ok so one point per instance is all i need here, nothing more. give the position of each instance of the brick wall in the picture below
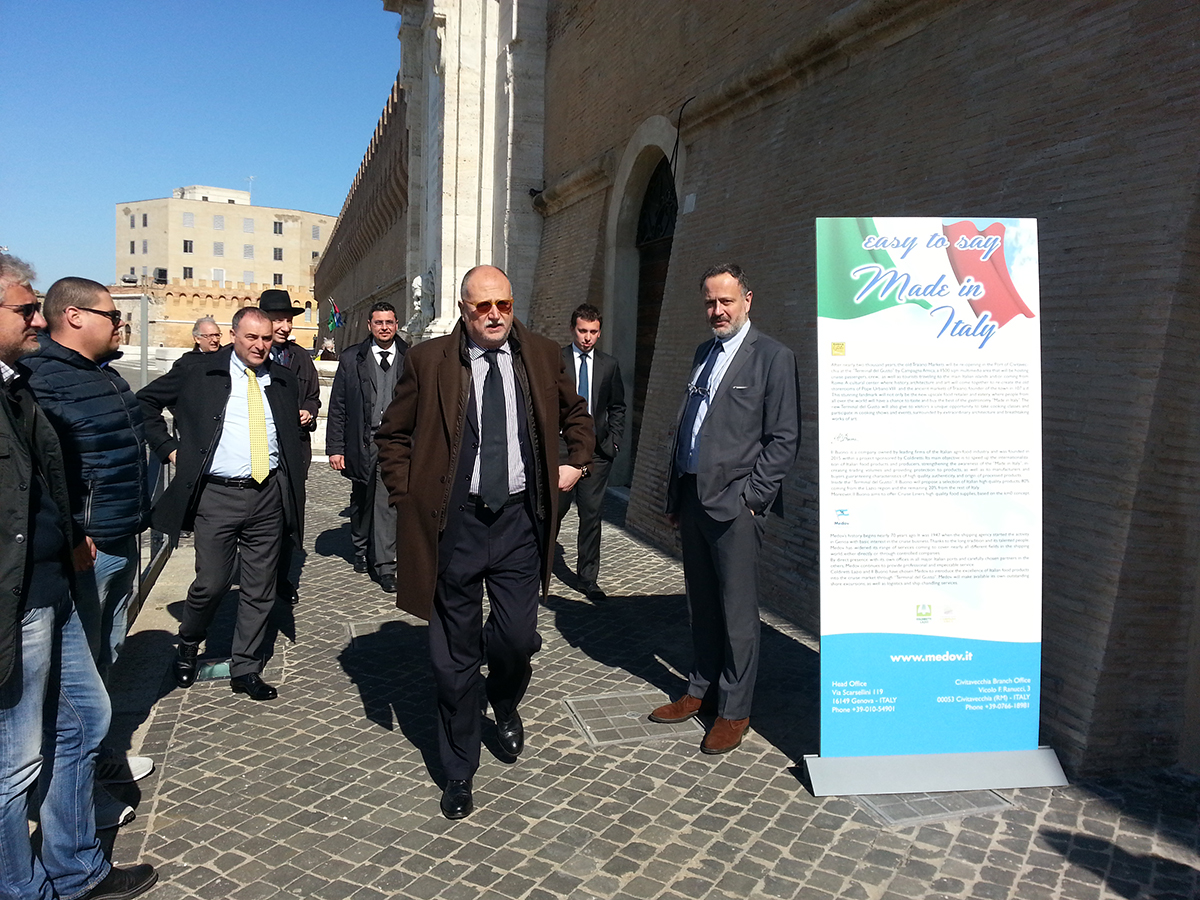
(570, 266)
(1082, 115)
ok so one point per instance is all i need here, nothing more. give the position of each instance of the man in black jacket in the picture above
(99, 424)
(366, 377)
(277, 304)
(598, 380)
(53, 707)
(238, 479)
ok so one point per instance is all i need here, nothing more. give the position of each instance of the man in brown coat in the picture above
(468, 451)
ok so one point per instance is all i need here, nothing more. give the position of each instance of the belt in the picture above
(518, 497)
(241, 484)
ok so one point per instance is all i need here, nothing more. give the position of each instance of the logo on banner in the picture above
(960, 268)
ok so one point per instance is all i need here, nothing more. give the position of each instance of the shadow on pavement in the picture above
(335, 542)
(390, 668)
(648, 637)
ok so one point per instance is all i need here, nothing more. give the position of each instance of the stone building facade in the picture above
(208, 251)
(686, 132)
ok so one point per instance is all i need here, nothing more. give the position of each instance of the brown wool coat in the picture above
(421, 434)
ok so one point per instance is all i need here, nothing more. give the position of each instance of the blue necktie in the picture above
(583, 380)
(696, 393)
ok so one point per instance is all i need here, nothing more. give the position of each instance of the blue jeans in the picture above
(53, 713)
(105, 593)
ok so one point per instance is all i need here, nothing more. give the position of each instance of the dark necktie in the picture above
(697, 391)
(493, 438)
(384, 362)
(583, 379)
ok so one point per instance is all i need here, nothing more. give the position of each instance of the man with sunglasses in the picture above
(362, 389)
(99, 422)
(54, 710)
(469, 452)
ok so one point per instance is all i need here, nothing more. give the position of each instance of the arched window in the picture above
(308, 312)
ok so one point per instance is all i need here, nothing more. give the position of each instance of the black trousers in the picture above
(229, 522)
(501, 551)
(720, 569)
(588, 495)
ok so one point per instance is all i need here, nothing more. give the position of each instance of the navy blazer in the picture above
(197, 392)
(750, 436)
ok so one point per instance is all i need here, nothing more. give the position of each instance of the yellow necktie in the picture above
(260, 450)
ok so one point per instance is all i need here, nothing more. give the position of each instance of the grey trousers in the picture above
(720, 568)
(373, 524)
(232, 522)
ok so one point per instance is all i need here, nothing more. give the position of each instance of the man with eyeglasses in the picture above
(362, 389)
(54, 710)
(469, 453)
(736, 440)
(99, 422)
(207, 335)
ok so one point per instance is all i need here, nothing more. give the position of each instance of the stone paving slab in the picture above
(329, 791)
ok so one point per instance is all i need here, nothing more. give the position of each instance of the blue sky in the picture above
(107, 101)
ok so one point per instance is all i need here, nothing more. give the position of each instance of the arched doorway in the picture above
(639, 231)
(655, 231)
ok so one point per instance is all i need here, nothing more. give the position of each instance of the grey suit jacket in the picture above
(749, 438)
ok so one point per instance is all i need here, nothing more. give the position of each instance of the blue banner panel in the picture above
(895, 694)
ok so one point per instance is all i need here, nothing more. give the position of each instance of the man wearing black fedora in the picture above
(277, 304)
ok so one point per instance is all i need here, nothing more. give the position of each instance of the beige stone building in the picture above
(659, 138)
(208, 251)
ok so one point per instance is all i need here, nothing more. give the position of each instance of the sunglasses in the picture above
(113, 316)
(25, 310)
(483, 307)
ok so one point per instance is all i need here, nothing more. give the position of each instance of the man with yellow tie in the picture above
(239, 471)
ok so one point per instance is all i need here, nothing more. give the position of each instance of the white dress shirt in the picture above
(577, 355)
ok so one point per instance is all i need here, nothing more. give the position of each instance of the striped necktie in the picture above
(260, 449)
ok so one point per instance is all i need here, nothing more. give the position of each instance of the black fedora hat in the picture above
(277, 301)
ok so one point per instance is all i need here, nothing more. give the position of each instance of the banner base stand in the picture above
(833, 776)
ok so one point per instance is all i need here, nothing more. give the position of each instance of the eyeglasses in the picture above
(25, 310)
(215, 334)
(113, 316)
(483, 307)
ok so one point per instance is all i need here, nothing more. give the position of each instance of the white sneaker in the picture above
(110, 811)
(115, 768)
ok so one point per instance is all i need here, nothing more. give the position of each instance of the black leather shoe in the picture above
(360, 564)
(456, 799)
(512, 736)
(121, 884)
(287, 593)
(388, 583)
(252, 685)
(594, 592)
(186, 663)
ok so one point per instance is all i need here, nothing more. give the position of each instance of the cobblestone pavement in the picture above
(329, 791)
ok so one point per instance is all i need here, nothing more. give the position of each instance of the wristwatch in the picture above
(584, 471)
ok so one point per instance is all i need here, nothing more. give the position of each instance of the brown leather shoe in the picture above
(724, 735)
(679, 711)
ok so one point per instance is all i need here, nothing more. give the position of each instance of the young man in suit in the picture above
(362, 389)
(238, 481)
(598, 381)
(738, 432)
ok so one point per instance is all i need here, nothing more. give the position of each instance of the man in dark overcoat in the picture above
(469, 453)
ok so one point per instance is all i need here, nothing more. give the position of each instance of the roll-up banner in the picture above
(931, 505)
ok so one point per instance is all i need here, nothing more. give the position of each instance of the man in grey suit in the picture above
(598, 380)
(738, 432)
